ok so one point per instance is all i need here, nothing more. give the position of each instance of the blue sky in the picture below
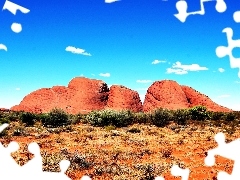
(129, 42)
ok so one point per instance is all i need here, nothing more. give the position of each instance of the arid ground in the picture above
(137, 152)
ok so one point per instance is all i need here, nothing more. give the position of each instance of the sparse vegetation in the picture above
(108, 117)
(55, 118)
(145, 149)
(161, 117)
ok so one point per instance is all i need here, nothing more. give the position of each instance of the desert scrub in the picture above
(161, 117)
(108, 117)
(55, 118)
(180, 116)
(77, 118)
(199, 113)
(229, 116)
(28, 118)
(141, 117)
(216, 115)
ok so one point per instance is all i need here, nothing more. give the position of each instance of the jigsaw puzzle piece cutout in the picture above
(5, 125)
(64, 165)
(33, 167)
(222, 51)
(182, 7)
(88, 178)
(7, 163)
(12, 7)
(182, 14)
(236, 16)
(177, 171)
(228, 150)
(159, 178)
(221, 6)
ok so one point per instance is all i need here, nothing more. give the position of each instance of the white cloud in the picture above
(17, 89)
(158, 61)
(221, 70)
(224, 96)
(144, 81)
(3, 47)
(179, 68)
(176, 71)
(111, 1)
(77, 51)
(104, 74)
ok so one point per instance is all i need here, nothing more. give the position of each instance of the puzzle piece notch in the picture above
(12, 7)
(86, 178)
(236, 16)
(222, 51)
(228, 150)
(182, 7)
(177, 171)
(159, 178)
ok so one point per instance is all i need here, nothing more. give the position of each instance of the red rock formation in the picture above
(84, 95)
(196, 98)
(81, 95)
(166, 94)
(170, 95)
(123, 98)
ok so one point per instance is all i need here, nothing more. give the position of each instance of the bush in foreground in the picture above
(161, 117)
(108, 117)
(55, 118)
(199, 113)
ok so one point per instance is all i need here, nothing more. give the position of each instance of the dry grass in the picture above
(139, 152)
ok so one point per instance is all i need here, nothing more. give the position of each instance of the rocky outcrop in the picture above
(166, 94)
(170, 95)
(196, 98)
(82, 95)
(121, 98)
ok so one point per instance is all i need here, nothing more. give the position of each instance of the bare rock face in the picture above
(123, 98)
(82, 95)
(167, 94)
(87, 94)
(196, 98)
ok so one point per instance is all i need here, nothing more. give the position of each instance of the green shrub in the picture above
(180, 116)
(110, 117)
(4, 120)
(216, 115)
(161, 117)
(55, 118)
(141, 117)
(229, 116)
(28, 118)
(199, 113)
(12, 116)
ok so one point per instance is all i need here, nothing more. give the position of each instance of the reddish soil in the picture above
(160, 147)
